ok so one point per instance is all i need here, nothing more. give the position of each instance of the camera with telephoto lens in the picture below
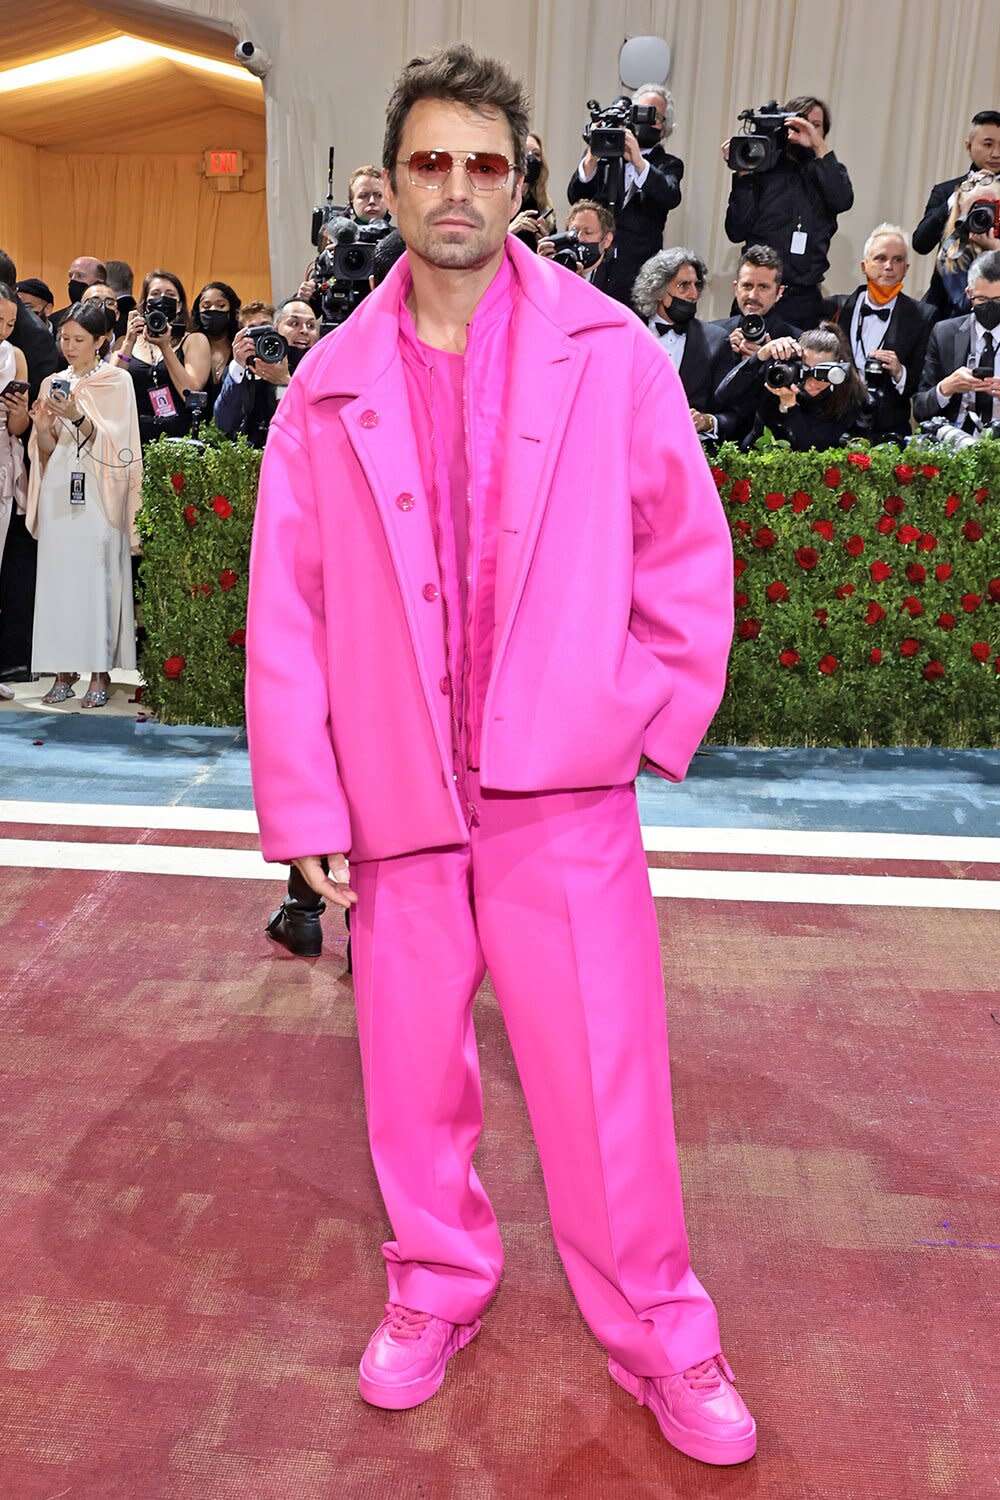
(571, 251)
(940, 430)
(605, 135)
(159, 314)
(981, 217)
(344, 267)
(781, 374)
(270, 346)
(764, 137)
(752, 327)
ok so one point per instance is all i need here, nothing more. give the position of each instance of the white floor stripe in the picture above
(121, 815)
(697, 885)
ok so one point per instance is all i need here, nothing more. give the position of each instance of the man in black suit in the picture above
(593, 224)
(758, 289)
(84, 271)
(983, 146)
(652, 189)
(665, 296)
(954, 383)
(887, 332)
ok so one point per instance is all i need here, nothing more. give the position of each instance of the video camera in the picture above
(982, 217)
(343, 269)
(571, 251)
(605, 138)
(780, 374)
(764, 138)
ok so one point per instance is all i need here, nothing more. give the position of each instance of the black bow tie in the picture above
(662, 328)
(882, 313)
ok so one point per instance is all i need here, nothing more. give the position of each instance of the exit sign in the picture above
(223, 163)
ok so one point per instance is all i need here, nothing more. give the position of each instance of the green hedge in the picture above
(867, 596)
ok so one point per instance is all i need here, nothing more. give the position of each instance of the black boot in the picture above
(297, 923)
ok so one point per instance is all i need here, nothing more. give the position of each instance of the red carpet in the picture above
(189, 1225)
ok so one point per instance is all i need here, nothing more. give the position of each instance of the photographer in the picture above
(971, 228)
(983, 146)
(665, 295)
(887, 332)
(593, 227)
(366, 200)
(959, 380)
(255, 384)
(652, 187)
(793, 205)
(536, 216)
(804, 410)
(165, 360)
(759, 316)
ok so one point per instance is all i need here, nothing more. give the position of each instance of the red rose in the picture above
(789, 658)
(222, 507)
(854, 545)
(980, 496)
(807, 557)
(828, 665)
(980, 651)
(775, 500)
(927, 542)
(971, 602)
(909, 646)
(911, 606)
(907, 534)
(859, 460)
(238, 638)
(972, 531)
(776, 592)
(190, 515)
(845, 591)
(800, 501)
(740, 491)
(206, 588)
(942, 572)
(174, 665)
(228, 579)
(951, 505)
(904, 473)
(929, 471)
(886, 525)
(893, 505)
(820, 615)
(823, 529)
(880, 571)
(993, 589)
(178, 481)
(946, 621)
(742, 528)
(933, 671)
(720, 476)
(874, 613)
(741, 600)
(875, 656)
(764, 538)
(739, 566)
(748, 630)
(848, 500)
(916, 572)
(831, 478)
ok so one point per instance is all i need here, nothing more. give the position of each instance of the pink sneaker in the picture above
(700, 1412)
(406, 1356)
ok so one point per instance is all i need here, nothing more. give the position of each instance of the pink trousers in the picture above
(552, 896)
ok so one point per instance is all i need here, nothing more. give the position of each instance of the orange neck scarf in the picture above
(880, 295)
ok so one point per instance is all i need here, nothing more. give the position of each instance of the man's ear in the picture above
(781, 292)
(389, 191)
(518, 193)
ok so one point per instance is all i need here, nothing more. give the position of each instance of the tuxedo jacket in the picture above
(906, 334)
(639, 225)
(735, 409)
(701, 364)
(947, 350)
(927, 238)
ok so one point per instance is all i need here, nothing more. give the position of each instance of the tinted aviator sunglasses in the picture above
(486, 170)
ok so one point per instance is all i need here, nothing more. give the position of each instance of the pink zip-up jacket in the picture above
(613, 591)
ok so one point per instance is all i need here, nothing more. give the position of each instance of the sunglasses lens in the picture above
(487, 170)
(429, 168)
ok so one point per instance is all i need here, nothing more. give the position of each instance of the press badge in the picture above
(798, 245)
(162, 402)
(76, 482)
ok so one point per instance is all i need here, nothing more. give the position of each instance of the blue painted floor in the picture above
(87, 759)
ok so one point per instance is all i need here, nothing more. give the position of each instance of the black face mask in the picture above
(294, 356)
(680, 312)
(988, 315)
(532, 169)
(125, 306)
(589, 253)
(647, 135)
(798, 152)
(168, 305)
(76, 289)
(213, 322)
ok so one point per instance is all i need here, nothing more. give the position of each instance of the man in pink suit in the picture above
(491, 573)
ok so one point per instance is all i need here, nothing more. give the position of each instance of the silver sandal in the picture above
(59, 692)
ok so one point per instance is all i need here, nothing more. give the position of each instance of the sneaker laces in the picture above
(405, 1322)
(708, 1376)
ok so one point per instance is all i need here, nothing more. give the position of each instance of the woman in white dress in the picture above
(13, 422)
(83, 495)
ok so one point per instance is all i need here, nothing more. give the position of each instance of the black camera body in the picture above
(764, 138)
(158, 315)
(345, 266)
(605, 135)
(270, 346)
(753, 328)
(982, 217)
(877, 379)
(781, 374)
(571, 251)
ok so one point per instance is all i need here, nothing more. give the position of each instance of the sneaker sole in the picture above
(721, 1451)
(401, 1397)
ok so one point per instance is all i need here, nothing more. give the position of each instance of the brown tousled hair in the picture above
(460, 76)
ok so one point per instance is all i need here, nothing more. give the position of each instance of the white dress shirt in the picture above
(974, 361)
(633, 180)
(869, 333)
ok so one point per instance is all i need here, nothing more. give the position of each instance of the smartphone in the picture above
(15, 388)
(59, 387)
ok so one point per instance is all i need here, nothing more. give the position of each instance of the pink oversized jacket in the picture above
(614, 589)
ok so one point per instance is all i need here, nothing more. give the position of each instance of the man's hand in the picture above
(244, 348)
(333, 887)
(278, 374)
(742, 347)
(803, 133)
(633, 153)
(546, 248)
(890, 359)
(984, 241)
(701, 419)
(959, 381)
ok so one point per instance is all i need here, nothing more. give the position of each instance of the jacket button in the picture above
(369, 418)
(430, 592)
(404, 501)
(445, 684)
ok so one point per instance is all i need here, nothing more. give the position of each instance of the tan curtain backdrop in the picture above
(901, 80)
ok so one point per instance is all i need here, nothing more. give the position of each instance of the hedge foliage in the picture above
(867, 591)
